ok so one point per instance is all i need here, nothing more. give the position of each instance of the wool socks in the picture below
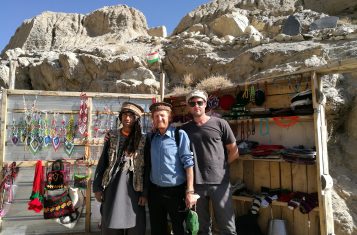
(256, 205)
(267, 200)
(308, 203)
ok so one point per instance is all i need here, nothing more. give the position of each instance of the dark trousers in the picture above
(165, 201)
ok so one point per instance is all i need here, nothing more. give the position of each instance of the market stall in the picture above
(280, 129)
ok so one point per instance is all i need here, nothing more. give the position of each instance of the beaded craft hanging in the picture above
(83, 115)
(69, 137)
(54, 135)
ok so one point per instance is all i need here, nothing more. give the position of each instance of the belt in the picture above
(155, 186)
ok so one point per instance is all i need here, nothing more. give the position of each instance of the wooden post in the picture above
(87, 158)
(12, 74)
(324, 180)
(162, 86)
(3, 126)
(3, 136)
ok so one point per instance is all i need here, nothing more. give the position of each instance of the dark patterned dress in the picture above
(120, 209)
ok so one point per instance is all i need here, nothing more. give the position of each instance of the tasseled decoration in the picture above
(36, 199)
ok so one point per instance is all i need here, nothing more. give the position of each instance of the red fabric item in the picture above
(265, 150)
(226, 102)
(37, 189)
(286, 197)
(287, 121)
(35, 205)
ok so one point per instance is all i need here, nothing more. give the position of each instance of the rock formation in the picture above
(106, 51)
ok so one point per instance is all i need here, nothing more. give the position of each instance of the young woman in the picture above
(119, 177)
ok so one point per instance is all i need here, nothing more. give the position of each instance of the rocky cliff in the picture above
(106, 51)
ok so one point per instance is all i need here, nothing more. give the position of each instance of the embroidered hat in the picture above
(226, 102)
(131, 107)
(212, 102)
(259, 97)
(197, 93)
(242, 98)
(160, 106)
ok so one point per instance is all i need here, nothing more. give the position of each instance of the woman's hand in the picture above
(142, 201)
(98, 196)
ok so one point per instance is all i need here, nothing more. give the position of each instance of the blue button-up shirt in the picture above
(168, 162)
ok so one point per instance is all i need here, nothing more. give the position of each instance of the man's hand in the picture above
(142, 201)
(191, 199)
(98, 196)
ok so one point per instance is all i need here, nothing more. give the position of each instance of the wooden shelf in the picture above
(248, 157)
(304, 118)
(274, 203)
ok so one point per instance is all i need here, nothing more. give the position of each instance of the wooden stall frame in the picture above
(326, 212)
(88, 143)
(324, 181)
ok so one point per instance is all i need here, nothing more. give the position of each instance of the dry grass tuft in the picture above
(345, 20)
(188, 80)
(179, 91)
(213, 83)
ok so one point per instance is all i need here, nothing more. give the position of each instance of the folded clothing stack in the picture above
(245, 146)
(267, 151)
(306, 202)
(238, 187)
(299, 155)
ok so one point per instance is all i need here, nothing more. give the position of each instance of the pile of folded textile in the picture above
(299, 155)
(267, 151)
(246, 146)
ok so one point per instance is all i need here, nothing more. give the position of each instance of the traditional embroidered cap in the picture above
(226, 102)
(197, 93)
(259, 97)
(160, 106)
(131, 107)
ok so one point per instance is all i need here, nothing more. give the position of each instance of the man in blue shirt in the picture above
(169, 167)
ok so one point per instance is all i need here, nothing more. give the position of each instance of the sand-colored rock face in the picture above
(63, 31)
(331, 6)
(105, 51)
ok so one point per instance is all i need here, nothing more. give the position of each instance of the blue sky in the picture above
(157, 12)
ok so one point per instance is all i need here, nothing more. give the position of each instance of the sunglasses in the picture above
(193, 103)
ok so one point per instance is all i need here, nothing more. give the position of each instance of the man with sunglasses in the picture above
(214, 147)
(169, 168)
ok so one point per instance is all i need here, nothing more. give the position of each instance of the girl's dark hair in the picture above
(132, 142)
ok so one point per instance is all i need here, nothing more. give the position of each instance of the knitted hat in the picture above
(226, 102)
(158, 106)
(259, 97)
(212, 102)
(131, 107)
(241, 99)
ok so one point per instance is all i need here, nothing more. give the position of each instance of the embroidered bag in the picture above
(57, 177)
(57, 206)
(81, 174)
